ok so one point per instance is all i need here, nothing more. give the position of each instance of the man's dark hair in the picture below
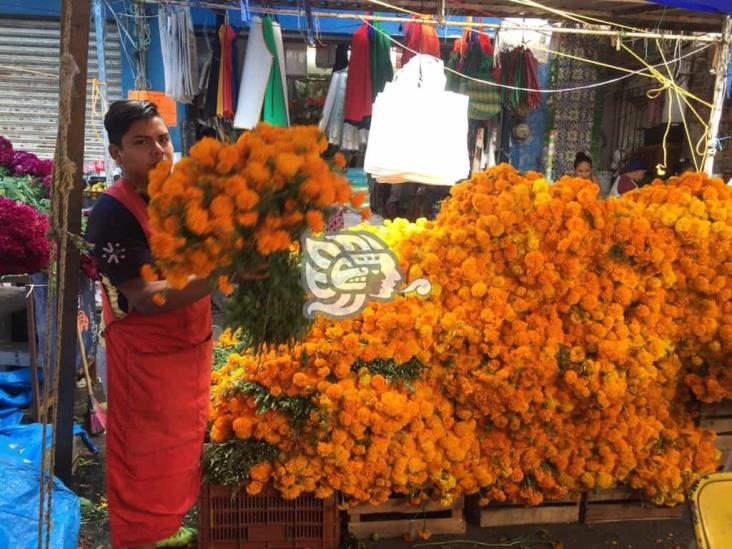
(122, 114)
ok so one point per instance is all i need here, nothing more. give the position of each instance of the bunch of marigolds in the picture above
(563, 349)
(228, 207)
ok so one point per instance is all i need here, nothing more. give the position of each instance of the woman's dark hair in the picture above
(581, 157)
(122, 114)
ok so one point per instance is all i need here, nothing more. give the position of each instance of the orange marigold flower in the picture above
(339, 161)
(314, 219)
(148, 274)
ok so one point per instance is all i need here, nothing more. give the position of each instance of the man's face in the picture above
(145, 144)
(637, 175)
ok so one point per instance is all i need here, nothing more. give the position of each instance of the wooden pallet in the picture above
(718, 418)
(396, 517)
(623, 504)
(549, 512)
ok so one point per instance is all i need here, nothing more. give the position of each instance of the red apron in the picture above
(159, 371)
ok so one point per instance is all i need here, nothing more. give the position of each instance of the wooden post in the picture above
(79, 48)
(719, 94)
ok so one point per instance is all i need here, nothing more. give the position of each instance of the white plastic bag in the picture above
(419, 132)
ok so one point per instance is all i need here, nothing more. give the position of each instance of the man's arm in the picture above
(140, 293)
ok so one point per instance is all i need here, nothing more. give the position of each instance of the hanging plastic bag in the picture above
(419, 131)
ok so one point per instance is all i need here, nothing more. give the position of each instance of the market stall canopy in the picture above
(677, 15)
(711, 6)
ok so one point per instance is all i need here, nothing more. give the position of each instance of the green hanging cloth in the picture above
(381, 69)
(274, 110)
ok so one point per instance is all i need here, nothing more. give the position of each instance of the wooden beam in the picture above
(78, 47)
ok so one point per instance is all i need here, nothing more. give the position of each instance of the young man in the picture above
(158, 357)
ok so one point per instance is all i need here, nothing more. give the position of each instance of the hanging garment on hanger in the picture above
(178, 48)
(225, 55)
(420, 38)
(469, 58)
(331, 123)
(212, 91)
(228, 35)
(359, 98)
(258, 63)
(341, 57)
(235, 69)
(275, 109)
(380, 54)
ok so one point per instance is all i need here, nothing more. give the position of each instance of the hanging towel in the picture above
(258, 63)
(381, 69)
(275, 99)
(359, 92)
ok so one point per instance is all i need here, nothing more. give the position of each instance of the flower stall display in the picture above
(563, 349)
(23, 244)
(227, 207)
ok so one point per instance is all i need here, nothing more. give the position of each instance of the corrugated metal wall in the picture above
(29, 102)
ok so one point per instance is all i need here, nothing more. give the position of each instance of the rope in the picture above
(98, 97)
(63, 175)
(630, 72)
(29, 71)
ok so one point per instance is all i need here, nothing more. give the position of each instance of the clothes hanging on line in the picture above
(225, 96)
(178, 48)
(341, 134)
(369, 69)
(212, 90)
(420, 38)
(472, 56)
(263, 86)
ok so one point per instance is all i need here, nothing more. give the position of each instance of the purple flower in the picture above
(24, 247)
(6, 152)
(26, 163)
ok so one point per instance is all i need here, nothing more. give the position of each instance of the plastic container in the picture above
(265, 521)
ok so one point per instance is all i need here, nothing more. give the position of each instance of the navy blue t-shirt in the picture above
(120, 246)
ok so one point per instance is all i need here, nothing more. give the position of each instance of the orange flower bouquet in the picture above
(229, 207)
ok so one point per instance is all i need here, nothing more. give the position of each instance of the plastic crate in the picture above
(265, 521)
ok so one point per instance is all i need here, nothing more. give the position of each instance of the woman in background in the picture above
(583, 167)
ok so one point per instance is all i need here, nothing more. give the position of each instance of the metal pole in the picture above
(79, 49)
(719, 94)
(99, 20)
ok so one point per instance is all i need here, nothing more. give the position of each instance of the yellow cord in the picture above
(97, 97)
(574, 17)
(397, 8)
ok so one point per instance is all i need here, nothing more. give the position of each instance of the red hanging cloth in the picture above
(359, 100)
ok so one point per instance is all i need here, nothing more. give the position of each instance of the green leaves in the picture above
(297, 409)
(24, 189)
(270, 311)
(407, 372)
(228, 463)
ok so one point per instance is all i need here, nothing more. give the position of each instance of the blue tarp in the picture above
(709, 6)
(19, 503)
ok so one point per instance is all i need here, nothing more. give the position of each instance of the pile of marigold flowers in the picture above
(564, 348)
(227, 207)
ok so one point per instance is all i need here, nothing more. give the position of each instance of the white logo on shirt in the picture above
(113, 253)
